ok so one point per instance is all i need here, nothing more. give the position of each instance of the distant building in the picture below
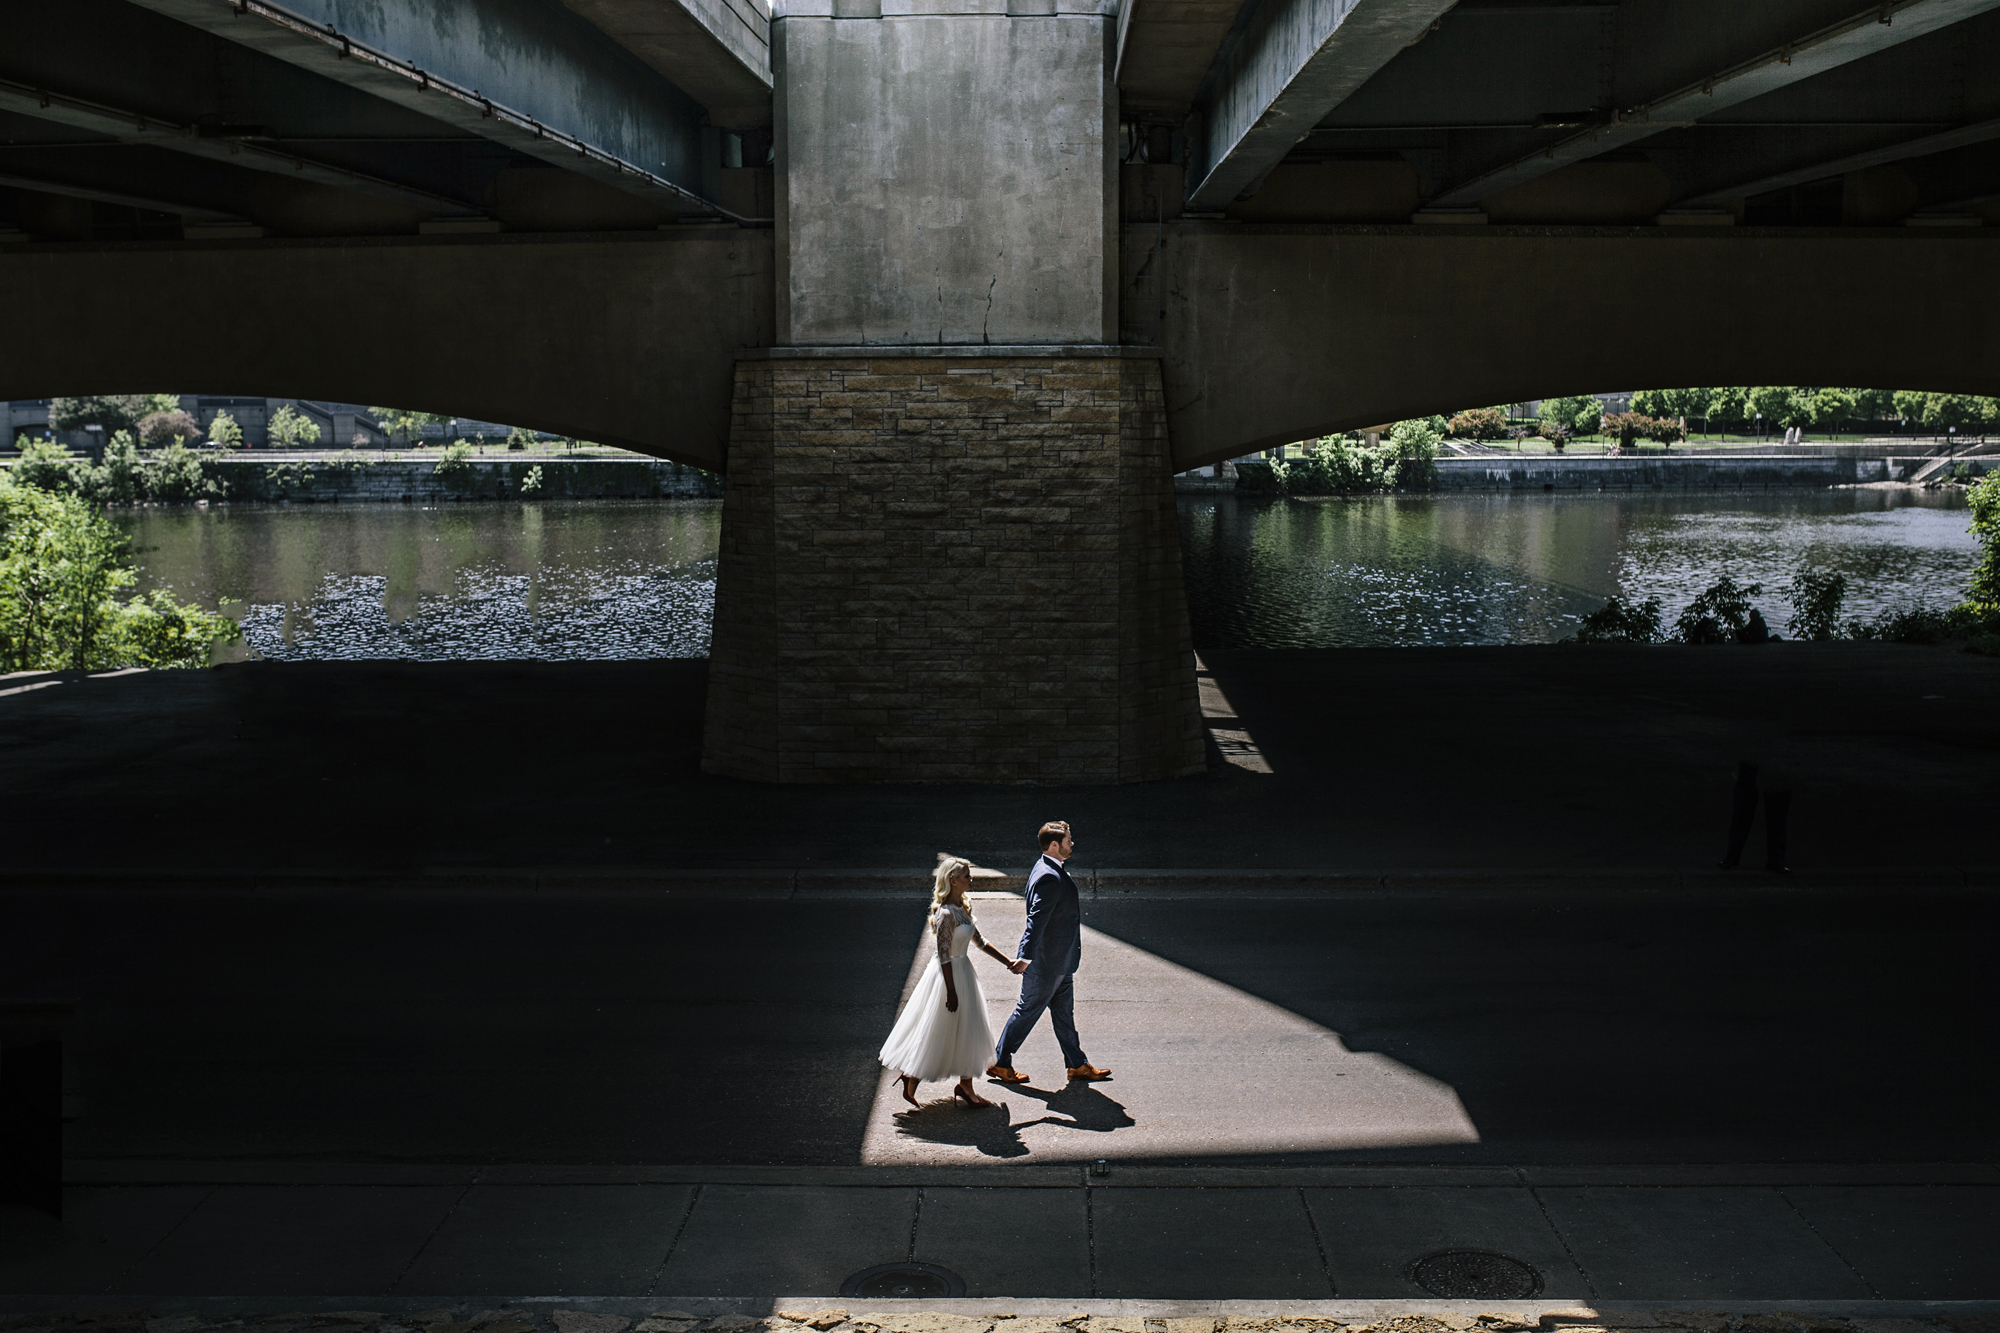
(340, 424)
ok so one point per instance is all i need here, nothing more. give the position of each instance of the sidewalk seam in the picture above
(1589, 1283)
(674, 1242)
(449, 1213)
(165, 1236)
(1312, 1225)
(1799, 1213)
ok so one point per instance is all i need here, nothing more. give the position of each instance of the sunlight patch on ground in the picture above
(1201, 1070)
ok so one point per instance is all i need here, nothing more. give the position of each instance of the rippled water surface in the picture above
(636, 578)
(1496, 567)
(578, 579)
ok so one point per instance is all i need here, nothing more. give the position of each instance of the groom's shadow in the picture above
(994, 1132)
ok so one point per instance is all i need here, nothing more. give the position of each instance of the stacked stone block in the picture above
(952, 569)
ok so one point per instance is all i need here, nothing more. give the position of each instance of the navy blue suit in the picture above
(1053, 946)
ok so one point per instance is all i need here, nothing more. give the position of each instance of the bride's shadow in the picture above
(993, 1131)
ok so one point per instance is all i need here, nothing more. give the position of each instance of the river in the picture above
(636, 578)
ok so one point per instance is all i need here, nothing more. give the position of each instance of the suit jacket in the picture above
(1053, 940)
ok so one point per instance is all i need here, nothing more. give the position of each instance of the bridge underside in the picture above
(950, 288)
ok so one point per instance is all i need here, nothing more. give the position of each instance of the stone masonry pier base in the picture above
(954, 564)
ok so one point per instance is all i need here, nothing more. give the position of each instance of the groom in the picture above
(1053, 946)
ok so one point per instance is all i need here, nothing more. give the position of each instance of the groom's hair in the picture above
(1053, 832)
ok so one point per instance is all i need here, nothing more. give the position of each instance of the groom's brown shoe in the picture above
(1089, 1073)
(1004, 1074)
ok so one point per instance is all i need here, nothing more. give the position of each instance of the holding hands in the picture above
(1018, 966)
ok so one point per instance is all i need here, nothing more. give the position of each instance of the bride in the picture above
(942, 1032)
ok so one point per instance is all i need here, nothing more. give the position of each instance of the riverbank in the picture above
(1544, 760)
(430, 476)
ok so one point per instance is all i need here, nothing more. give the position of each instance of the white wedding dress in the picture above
(929, 1042)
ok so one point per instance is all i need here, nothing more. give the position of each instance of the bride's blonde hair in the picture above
(949, 869)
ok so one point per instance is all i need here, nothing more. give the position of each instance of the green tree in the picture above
(1950, 411)
(1910, 405)
(1728, 405)
(293, 429)
(1579, 415)
(1651, 402)
(408, 423)
(224, 433)
(1415, 444)
(1780, 405)
(1873, 404)
(114, 412)
(1829, 408)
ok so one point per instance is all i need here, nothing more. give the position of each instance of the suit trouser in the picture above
(1039, 991)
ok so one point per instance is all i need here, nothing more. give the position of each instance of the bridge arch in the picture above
(1279, 333)
(626, 339)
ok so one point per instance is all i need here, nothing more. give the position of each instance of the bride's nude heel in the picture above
(969, 1097)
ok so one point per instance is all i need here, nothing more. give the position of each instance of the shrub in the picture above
(158, 429)
(224, 433)
(1573, 416)
(63, 568)
(1715, 616)
(1479, 423)
(1665, 430)
(1620, 622)
(125, 475)
(293, 429)
(47, 465)
(1415, 449)
(520, 438)
(1627, 426)
(454, 463)
(531, 482)
(1984, 501)
(1815, 599)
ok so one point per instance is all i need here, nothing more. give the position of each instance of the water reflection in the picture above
(581, 579)
(1499, 567)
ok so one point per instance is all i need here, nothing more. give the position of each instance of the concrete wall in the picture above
(1275, 333)
(627, 339)
(945, 172)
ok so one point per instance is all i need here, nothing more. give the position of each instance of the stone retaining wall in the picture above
(357, 479)
(1654, 472)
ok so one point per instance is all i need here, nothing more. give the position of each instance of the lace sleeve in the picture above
(944, 926)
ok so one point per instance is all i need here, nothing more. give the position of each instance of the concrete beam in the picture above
(70, 190)
(716, 51)
(1876, 28)
(135, 128)
(1922, 146)
(535, 78)
(633, 340)
(1300, 330)
(1295, 62)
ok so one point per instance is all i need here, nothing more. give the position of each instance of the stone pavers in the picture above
(1162, 1235)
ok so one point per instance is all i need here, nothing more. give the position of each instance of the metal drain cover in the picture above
(906, 1281)
(1475, 1275)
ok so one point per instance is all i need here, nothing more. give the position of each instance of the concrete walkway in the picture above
(1784, 1234)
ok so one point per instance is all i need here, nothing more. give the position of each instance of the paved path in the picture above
(1198, 1067)
(1687, 1236)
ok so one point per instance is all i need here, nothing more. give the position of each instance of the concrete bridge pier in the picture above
(949, 548)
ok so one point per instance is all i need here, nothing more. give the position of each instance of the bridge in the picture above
(950, 288)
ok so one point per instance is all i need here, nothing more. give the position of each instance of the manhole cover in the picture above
(908, 1280)
(1475, 1275)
